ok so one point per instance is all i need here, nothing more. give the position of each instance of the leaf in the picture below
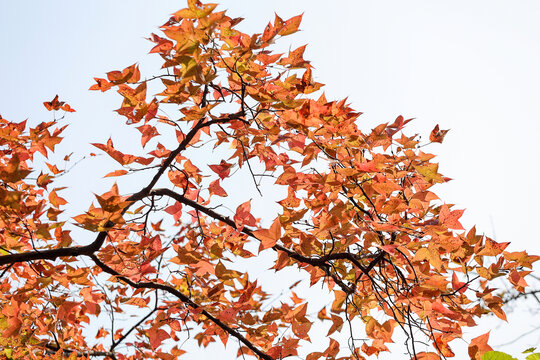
(450, 218)
(55, 104)
(116, 173)
(228, 315)
(479, 346)
(243, 216)
(101, 84)
(56, 200)
(175, 210)
(131, 75)
(156, 337)
(123, 159)
(148, 132)
(437, 135)
(430, 173)
(427, 356)
(431, 255)
(195, 10)
(337, 325)
(216, 189)
(223, 169)
(291, 26)
(497, 355)
(269, 237)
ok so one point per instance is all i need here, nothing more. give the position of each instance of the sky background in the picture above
(469, 66)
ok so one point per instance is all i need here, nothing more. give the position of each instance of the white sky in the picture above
(471, 66)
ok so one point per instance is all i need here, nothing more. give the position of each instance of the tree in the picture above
(359, 218)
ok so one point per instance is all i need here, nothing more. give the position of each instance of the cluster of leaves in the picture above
(359, 218)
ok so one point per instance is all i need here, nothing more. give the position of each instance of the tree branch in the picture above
(171, 290)
(53, 254)
(320, 262)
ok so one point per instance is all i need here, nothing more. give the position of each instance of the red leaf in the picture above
(54, 104)
(437, 135)
(148, 132)
(116, 173)
(175, 210)
(156, 337)
(243, 216)
(216, 189)
(223, 169)
(101, 84)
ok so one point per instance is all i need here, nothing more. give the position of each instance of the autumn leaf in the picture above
(450, 218)
(175, 210)
(223, 169)
(148, 132)
(437, 135)
(431, 255)
(55, 104)
(156, 337)
(216, 189)
(269, 237)
(243, 216)
(479, 346)
(116, 173)
(291, 26)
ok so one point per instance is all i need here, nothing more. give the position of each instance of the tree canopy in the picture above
(359, 220)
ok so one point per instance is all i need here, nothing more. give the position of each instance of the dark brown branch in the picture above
(53, 348)
(321, 262)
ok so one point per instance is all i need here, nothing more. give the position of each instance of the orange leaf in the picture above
(223, 169)
(479, 346)
(269, 237)
(291, 26)
(243, 215)
(437, 135)
(450, 218)
(216, 189)
(156, 337)
(116, 173)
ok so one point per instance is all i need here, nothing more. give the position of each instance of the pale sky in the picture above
(471, 66)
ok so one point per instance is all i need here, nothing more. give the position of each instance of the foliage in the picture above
(498, 355)
(359, 219)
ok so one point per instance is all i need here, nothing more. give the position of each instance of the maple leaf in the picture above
(290, 26)
(55, 104)
(223, 169)
(216, 189)
(431, 255)
(148, 133)
(479, 346)
(175, 210)
(450, 218)
(243, 215)
(156, 337)
(437, 135)
(269, 237)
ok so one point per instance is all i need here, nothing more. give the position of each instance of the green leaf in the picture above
(529, 350)
(497, 355)
(535, 356)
